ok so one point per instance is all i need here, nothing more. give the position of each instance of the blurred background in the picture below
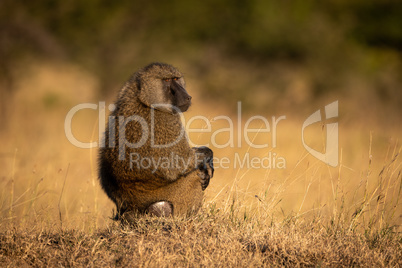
(278, 58)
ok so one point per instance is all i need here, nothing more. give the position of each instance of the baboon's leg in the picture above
(184, 195)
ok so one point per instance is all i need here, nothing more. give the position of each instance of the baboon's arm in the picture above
(200, 160)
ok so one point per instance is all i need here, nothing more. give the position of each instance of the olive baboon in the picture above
(147, 164)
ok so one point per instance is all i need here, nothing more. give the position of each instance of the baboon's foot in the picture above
(205, 165)
(160, 209)
(205, 178)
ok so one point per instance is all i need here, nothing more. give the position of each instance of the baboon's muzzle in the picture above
(183, 99)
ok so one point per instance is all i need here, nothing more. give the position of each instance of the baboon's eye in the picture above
(175, 79)
(167, 79)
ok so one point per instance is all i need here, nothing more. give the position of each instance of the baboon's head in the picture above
(162, 87)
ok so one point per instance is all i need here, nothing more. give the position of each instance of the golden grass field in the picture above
(54, 213)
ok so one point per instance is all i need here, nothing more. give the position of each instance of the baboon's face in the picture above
(163, 88)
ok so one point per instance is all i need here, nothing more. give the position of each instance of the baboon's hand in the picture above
(204, 157)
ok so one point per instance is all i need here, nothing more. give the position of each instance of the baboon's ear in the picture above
(137, 82)
(145, 98)
(143, 95)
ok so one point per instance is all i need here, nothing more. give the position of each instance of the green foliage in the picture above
(330, 40)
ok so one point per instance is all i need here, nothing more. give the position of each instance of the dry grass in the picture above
(211, 238)
(53, 212)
